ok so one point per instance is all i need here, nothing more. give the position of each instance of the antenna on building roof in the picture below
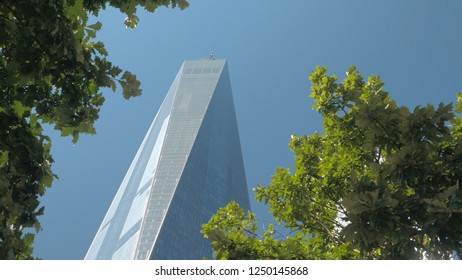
(211, 57)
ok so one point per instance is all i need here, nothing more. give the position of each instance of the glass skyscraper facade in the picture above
(188, 165)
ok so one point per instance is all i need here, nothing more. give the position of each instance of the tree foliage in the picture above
(381, 182)
(52, 70)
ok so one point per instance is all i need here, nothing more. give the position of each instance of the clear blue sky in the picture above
(271, 47)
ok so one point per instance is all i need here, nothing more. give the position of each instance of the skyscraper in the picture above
(188, 165)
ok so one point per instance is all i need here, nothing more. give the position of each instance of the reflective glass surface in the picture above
(189, 165)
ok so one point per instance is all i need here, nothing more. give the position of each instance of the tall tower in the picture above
(188, 165)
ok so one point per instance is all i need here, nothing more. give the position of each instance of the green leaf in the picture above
(115, 71)
(3, 158)
(99, 46)
(217, 235)
(130, 85)
(90, 33)
(29, 239)
(20, 109)
(150, 6)
(98, 100)
(410, 192)
(77, 10)
(40, 211)
(113, 85)
(131, 21)
(96, 26)
(37, 226)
